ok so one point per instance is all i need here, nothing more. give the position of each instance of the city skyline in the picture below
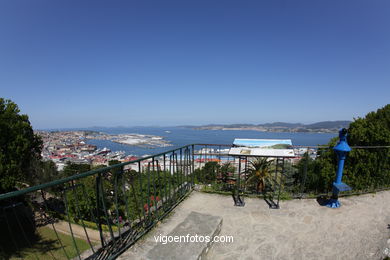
(94, 63)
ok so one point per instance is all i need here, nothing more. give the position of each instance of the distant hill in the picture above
(329, 124)
(319, 127)
(282, 124)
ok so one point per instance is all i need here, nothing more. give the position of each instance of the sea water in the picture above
(180, 136)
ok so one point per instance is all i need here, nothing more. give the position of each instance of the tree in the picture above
(80, 195)
(81, 199)
(369, 168)
(365, 168)
(258, 171)
(372, 130)
(209, 172)
(19, 149)
(227, 170)
(42, 172)
(117, 170)
(315, 175)
(19, 146)
(71, 169)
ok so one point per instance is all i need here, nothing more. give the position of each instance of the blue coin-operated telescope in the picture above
(341, 149)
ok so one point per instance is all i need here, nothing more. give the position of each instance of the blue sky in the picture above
(110, 63)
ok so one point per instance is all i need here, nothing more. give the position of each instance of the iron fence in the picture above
(294, 177)
(96, 214)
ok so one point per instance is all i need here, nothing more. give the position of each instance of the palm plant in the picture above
(258, 171)
(226, 170)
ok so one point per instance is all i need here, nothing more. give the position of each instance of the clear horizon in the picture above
(96, 63)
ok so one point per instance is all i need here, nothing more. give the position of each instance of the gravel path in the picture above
(301, 229)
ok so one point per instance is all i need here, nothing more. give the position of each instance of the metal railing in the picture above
(96, 214)
(296, 177)
(100, 213)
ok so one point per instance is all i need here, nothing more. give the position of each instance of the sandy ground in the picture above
(300, 229)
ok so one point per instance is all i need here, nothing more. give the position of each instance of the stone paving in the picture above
(300, 229)
(194, 223)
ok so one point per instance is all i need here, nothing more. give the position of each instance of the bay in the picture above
(180, 136)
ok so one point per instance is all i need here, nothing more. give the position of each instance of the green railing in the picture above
(307, 175)
(96, 214)
(100, 213)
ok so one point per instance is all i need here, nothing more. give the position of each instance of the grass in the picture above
(47, 246)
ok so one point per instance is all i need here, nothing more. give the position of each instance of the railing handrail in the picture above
(108, 168)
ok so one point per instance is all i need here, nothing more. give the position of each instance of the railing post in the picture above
(154, 175)
(305, 171)
(148, 198)
(280, 181)
(99, 224)
(238, 201)
(193, 166)
(141, 188)
(70, 225)
(181, 172)
(159, 185)
(116, 177)
(165, 181)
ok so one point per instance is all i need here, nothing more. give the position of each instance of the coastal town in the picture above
(72, 146)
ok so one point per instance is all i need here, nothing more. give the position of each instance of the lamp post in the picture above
(341, 149)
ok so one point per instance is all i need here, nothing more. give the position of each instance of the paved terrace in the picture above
(301, 229)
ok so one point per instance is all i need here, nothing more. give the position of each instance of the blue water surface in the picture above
(180, 136)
